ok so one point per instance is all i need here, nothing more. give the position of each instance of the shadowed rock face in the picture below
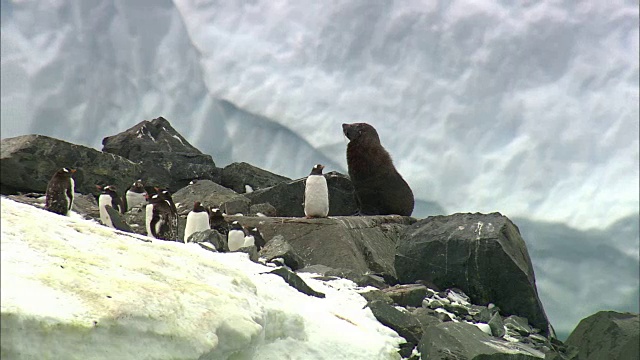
(161, 149)
(484, 255)
(363, 244)
(28, 162)
(607, 335)
(235, 176)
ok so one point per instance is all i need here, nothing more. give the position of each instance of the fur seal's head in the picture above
(360, 132)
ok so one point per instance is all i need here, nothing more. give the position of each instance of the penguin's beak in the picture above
(72, 170)
(321, 167)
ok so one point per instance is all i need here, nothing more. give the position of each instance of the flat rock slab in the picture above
(360, 243)
(607, 335)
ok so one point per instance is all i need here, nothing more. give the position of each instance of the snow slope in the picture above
(71, 288)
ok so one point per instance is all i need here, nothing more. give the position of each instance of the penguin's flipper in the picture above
(117, 220)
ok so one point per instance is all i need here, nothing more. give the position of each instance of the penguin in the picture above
(257, 237)
(59, 195)
(197, 220)
(249, 240)
(136, 195)
(164, 218)
(108, 196)
(235, 238)
(217, 222)
(316, 194)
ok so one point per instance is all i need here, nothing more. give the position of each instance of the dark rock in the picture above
(28, 162)
(265, 209)
(484, 255)
(117, 219)
(459, 310)
(405, 324)
(208, 246)
(359, 243)
(237, 205)
(279, 248)
(407, 295)
(212, 237)
(406, 349)
(235, 176)
(426, 317)
(295, 281)
(288, 197)
(497, 325)
(136, 217)
(607, 335)
(251, 251)
(518, 325)
(459, 340)
(208, 193)
(165, 155)
(376, 295)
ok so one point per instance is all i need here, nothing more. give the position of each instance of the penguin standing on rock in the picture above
(164, 218)
(316, 194)
(59, 196)
(109, 196)
(249, 240)
(257, 237)
(197, 220)
(136, 195)
(217, 222)
(235, 238)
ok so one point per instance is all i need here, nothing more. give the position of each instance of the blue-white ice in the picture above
(529, 108)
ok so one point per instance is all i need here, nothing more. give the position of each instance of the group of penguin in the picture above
(161, 215)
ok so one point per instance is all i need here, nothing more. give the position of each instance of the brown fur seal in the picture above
(378, 187)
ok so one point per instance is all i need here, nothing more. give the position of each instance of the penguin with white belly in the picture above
(136, 195)
(163, 222)
(109, 196)
(197, 220)
(316, 194)
(235, 238)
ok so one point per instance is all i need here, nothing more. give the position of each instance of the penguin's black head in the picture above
(357, 131)
(236, 226)
(197, 207)
(317, 169)
(66, 172)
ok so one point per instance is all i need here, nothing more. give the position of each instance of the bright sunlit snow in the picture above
(90, 284)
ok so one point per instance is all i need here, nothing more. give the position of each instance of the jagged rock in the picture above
(518, 325)
(265, 209)
(279, 248)
(407, 295)
(459, 340)
(237, 205)
(405, 324)
(358, 277)
(236, 176)
(497, 325)
(607, 335)
(426, 317)
(212, 237)
(295, 281)
(288, 197)
(360, 243)
(208, 246)
(484, 255)
(251, 251)
(166, 155)
(207, 193)
(377, 295)
(117, 219)
(28, 162)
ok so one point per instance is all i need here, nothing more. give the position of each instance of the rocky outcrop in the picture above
(483, 255)
(607, 335)
(239, 175)
(163, 153)
(362, 244)
(28, 162)
(288, 197)
(208, 193)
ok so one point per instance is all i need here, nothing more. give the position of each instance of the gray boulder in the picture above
(364, 244)
(212, 237)
(295, 281)
(208, 193)
(607, 335)
(407, 295)
(460, 340)
(28, 162)
(404, 323)
(483, 255)
(164, 154)
(288, 197)
(279, 248)
(237, 175)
